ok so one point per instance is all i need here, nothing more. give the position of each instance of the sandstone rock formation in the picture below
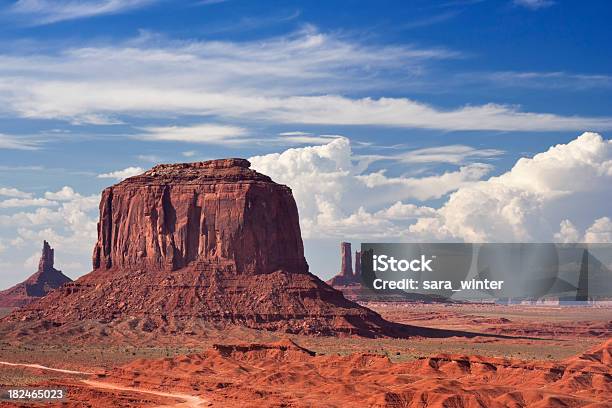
(347, 263)
(346, 277)
(357, 273)
(213, 241)
(46, 279)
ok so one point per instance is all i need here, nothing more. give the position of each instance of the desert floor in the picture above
(527, 344)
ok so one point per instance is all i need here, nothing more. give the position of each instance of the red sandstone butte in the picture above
(213, 241)
(46, 279)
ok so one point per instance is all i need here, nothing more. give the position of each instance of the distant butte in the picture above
(347, 277)
(46, 279)
(211, 241)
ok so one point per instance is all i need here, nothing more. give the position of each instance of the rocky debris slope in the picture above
(214, 241)
(46, 279)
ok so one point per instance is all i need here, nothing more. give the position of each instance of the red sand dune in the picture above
(285, 374)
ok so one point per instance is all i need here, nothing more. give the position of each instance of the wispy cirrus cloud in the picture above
(452, 154)
(17, 143)
(210, 2)
(306, 77)
(39, 12)
(537, 80)
(198, 133)
(534, 4)
(226, 135)
(428, 21)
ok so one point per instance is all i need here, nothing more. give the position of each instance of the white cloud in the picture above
(552, 196)
(423, 188)
(404, 112)
(13, 192)
(337, 197)
(70, 227)
(123, 174)
(302, 78)
(534, 4)
(297, 138)
(565, 186)
(41, 216)
(201, 133)
(189, 153)
(52, 11)
(32, 261)
(226, 135)
(600, 231)
(568, 233)
(65, 194)
(27, 202)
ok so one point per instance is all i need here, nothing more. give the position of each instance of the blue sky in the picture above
(388, 119)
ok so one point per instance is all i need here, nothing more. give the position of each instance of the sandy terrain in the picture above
(500, 356)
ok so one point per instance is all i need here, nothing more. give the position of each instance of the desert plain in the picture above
(499, 356)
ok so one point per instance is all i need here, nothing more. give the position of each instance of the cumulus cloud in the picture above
(423, 188)
(561, 194)
(337, 197)
(568, 233)
(600, 231)
(70, 226)
(122, 174)
(52, 11)
(65, 194)
(306, 77)
(539, 199)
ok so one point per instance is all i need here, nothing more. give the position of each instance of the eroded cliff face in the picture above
(218, 211)
(212, 242)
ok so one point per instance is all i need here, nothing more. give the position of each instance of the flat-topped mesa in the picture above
(229, 170)
(218, 212)
(188, 244)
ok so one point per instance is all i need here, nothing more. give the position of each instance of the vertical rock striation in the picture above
(175, 215)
